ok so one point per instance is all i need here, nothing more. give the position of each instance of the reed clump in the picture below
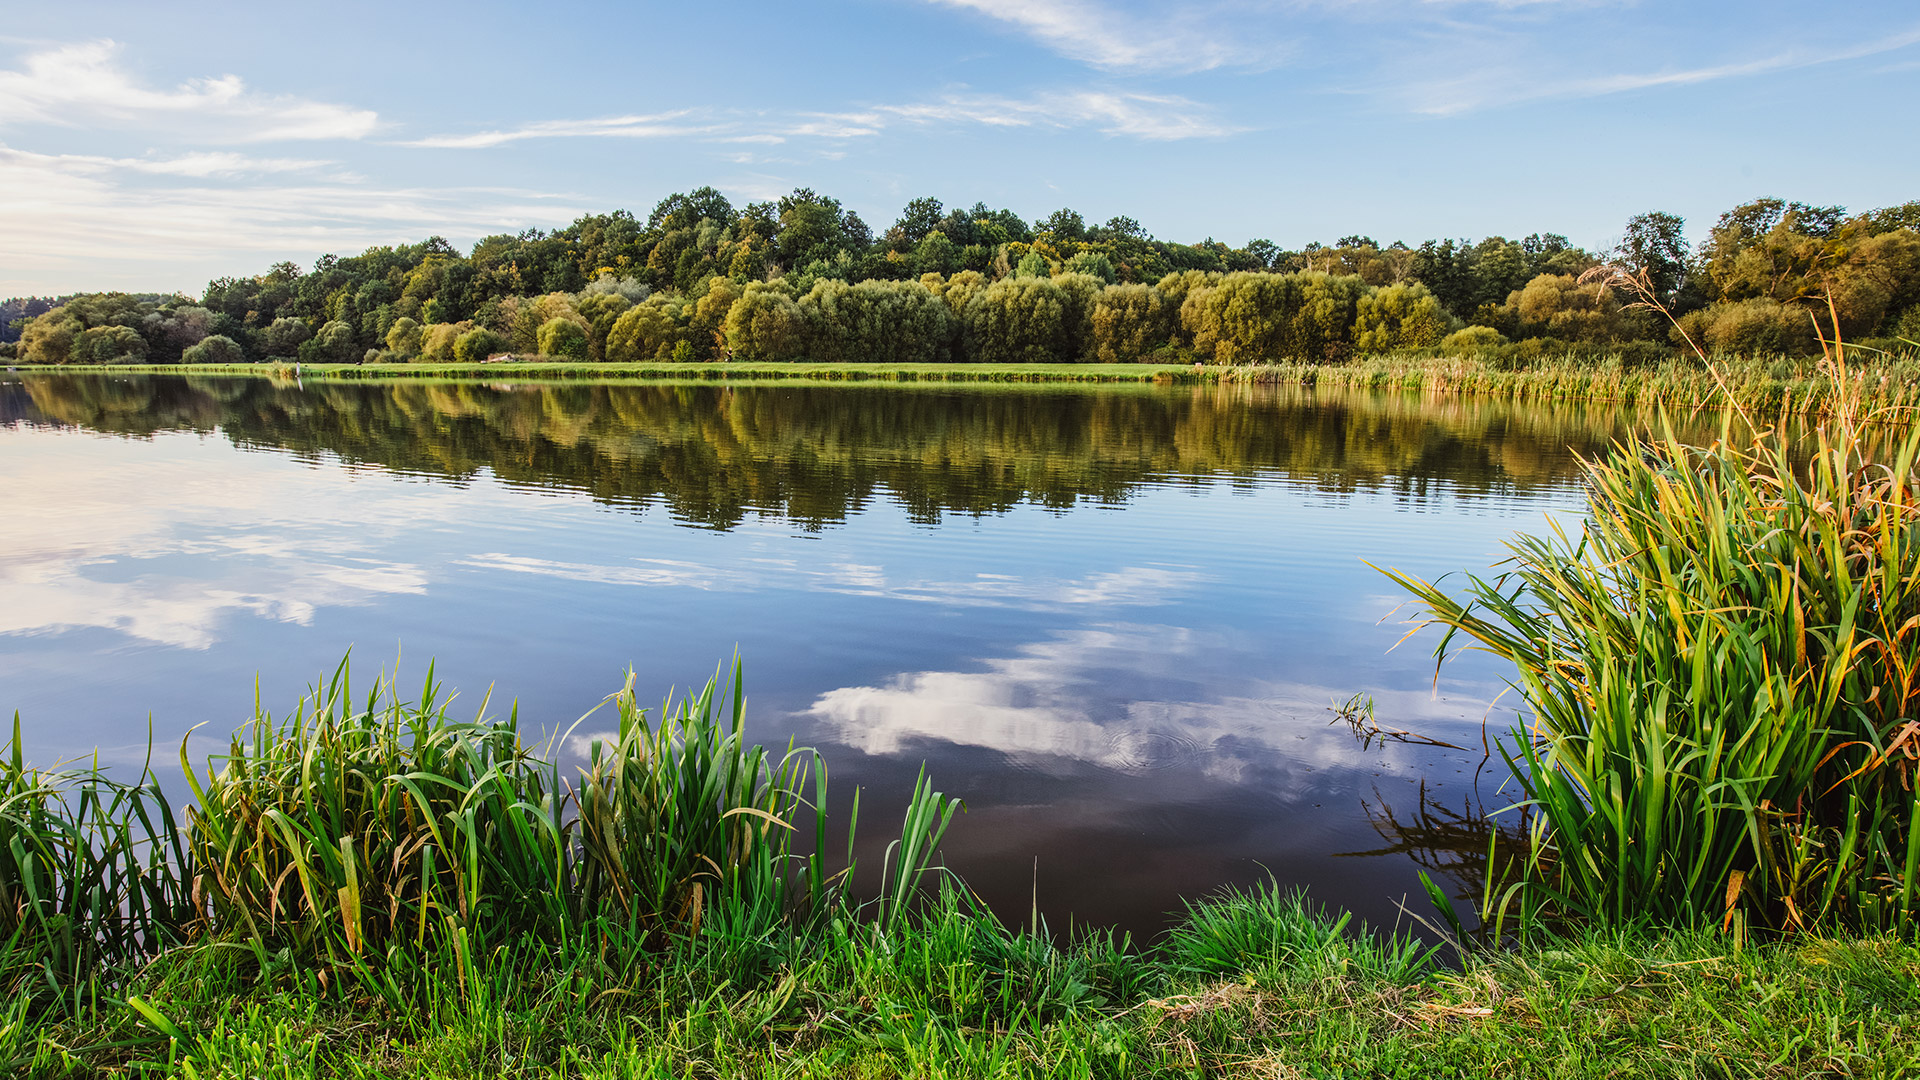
(350, 824)
(89, 877)
(1723, 671)
(1762, 385)
(363, 834)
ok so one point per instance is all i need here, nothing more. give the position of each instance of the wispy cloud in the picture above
(1143, 116)
(1185, 37)
(84, 85)
(1494, 87)
(198, 165)
(1113, 112)
(1044, 701)
(215, 555)
(1132, 586)
(660, 126)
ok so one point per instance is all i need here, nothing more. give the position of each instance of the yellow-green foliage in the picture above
(1247, 317)
(765, 324)
(874, 321)
(1760, 326)
(1469, 339)
(600, 309)
(1398, 317)
(1020, 320)
(647, 330)
(565, 336)
(437, 340)
(1562, 306)
(959, 290)
(1130, 321)
(404, 336)
(476, 345)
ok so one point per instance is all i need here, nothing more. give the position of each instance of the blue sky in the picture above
(149, 146)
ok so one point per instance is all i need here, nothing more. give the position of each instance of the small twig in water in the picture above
(1357, 711)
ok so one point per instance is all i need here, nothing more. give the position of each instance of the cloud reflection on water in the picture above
(1128, 586)
(83, 544)
(1083, 697)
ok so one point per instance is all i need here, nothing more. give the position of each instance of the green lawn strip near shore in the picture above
(578, 370)
(1767, 385)
(959, 996)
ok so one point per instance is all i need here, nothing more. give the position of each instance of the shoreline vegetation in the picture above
(1888, 389)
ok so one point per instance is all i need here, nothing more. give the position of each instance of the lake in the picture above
(1114, 620)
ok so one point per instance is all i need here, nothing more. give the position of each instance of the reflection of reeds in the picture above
(1470, 847)
(1357, 713)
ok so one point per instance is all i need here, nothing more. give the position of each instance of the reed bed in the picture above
(89, 877)
(1763, 386)
(358, 834)
(1723, 670)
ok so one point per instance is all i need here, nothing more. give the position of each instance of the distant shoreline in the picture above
(571, 369)
(1767, 386)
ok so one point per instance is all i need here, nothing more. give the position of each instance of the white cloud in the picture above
(852, 125)
(1186, 37)
(65, 217)
(1115, 112)
(84, 85)
(1133, 586)
(1048, 700)
(197, 165)
(647, 573)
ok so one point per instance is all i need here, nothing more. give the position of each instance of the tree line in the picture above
(804, 278)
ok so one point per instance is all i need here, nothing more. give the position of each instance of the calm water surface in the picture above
(1112, 620)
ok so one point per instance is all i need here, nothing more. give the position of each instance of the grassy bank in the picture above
(958, 996)
(1767, 385)
(367, 887)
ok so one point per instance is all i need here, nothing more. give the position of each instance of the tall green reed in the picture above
(88, 876)
(680, 818)
(360, 827)
(350, 825)
(1723, 671)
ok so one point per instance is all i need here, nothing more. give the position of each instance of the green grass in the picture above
(961, 996)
